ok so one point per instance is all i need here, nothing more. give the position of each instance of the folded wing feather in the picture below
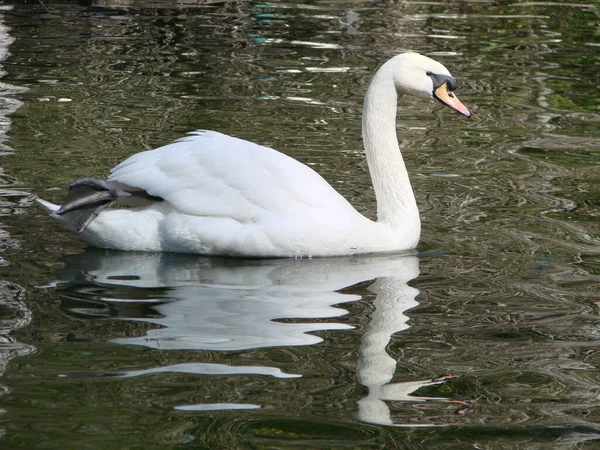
(211, 174)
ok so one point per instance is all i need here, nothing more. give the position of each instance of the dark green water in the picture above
(501, 308)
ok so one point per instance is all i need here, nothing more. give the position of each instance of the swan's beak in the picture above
(449, 99)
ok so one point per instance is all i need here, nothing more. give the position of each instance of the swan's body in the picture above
(209, 193)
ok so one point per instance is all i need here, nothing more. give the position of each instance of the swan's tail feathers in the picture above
(87, 197)
(49, 207)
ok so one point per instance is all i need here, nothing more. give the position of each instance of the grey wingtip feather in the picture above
(87, 197)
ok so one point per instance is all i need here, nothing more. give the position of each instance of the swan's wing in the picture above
(212, 174)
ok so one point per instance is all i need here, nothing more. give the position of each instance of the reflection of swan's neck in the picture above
(396, 203)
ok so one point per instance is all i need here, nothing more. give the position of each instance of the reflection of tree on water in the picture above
(232, 305)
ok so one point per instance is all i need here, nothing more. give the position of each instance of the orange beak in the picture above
(449, 99)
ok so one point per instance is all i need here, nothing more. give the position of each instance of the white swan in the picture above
(213, 194)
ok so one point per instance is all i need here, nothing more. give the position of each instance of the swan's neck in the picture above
(396, 204)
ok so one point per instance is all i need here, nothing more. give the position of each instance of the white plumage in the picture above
(227, 196)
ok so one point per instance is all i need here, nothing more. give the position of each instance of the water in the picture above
(485, 339)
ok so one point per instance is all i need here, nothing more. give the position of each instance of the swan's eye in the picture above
(428, 73)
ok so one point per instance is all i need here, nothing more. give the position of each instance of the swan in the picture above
(213, 194)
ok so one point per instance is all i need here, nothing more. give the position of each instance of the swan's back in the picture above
(212, 174)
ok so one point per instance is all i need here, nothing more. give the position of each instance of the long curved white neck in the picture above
(396, 204)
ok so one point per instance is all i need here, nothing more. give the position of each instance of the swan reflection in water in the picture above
(230, 305)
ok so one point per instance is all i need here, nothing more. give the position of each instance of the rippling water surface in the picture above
(487, 338)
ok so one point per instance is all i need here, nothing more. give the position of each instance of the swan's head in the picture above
(421, 76)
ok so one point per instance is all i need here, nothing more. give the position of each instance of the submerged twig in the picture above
(44, 6)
